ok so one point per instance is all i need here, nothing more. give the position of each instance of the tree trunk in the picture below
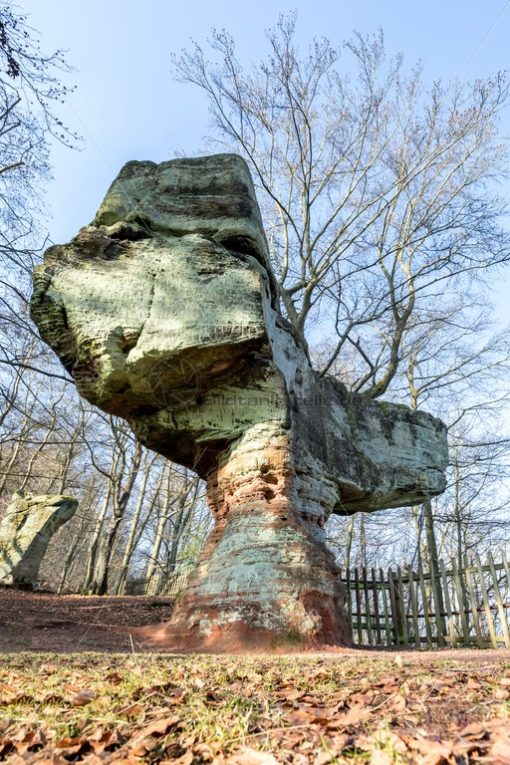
(433, 557)
(348, 544)
(69, 559)
(105, 557)
(156, 547)
(88, 582)
(131, 542)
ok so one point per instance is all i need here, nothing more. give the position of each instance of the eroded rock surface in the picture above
(26, 530)
(164, 312)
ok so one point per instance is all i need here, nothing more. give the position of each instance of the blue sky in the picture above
(127, 106)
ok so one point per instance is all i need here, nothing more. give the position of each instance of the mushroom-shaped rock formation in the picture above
(26, 530)
(164, 312)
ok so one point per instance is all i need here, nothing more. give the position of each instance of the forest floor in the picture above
(37, 621)
(74, 687)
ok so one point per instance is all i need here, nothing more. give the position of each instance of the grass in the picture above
(198, 709)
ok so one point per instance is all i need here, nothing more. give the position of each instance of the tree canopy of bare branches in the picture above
(377, 189)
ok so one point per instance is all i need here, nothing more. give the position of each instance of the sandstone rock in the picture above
(165, 312)
(26, 530)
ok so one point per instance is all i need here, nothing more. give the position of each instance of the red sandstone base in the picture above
(261, 585)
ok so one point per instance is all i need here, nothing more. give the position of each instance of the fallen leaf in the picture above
(475, 730)
(289, 693)
(6, 747)
(500, 750)
(146, 739)
(114, 678)
(353, 716)
(82, 698)
(360, 699)
(70, 743)
(185, 759)
(323, 758)
(398, 702)
(131, 711)
(298, 717)
(30, 741)
(6, 688)
(106, 740)
(380, 757)
(247, 756)
(434, 752)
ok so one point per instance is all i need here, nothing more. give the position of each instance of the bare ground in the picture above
(35, 621)
(47, 623)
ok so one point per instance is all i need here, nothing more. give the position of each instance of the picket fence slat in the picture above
(387, 625)
(460, 596)
(367, 605)
(414, 606)
(375, 592)
(486, 603)
(401, 601)
(473, 601)
(425, 604)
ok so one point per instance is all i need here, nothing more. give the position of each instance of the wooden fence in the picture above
(452, 606)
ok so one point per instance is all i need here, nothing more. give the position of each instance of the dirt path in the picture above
(32, 621)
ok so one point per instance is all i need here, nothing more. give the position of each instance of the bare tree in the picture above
(374, 187)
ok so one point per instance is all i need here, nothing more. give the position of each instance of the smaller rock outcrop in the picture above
(25, 532)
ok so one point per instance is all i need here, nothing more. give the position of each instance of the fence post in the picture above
(474, 603)
(488, 612)
(402, 603)
(349, 595)
(461, 599)
(358, 604)
(396, 607)
(367, 605)
(438, 602)
(387, 625)
(447, 602)
(377, 614)
(414, 607)
(425, 602)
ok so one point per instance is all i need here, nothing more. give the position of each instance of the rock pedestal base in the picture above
(263, 583)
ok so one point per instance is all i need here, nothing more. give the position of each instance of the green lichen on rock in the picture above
(26, 529)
